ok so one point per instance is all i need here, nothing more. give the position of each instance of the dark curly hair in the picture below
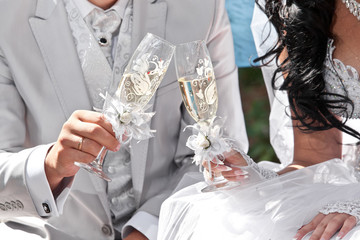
(303, 28)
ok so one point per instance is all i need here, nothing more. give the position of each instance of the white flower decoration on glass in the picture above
(126, 118)
(128, 123)
(208, 142)
(203, 141)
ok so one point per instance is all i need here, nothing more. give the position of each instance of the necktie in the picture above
(104, 24)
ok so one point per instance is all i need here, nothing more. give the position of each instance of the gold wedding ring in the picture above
(80, 143)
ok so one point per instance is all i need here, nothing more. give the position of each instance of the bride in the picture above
(316, 196)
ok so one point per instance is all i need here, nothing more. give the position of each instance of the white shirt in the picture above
(85, 7)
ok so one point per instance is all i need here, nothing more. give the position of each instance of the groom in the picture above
(54, 58)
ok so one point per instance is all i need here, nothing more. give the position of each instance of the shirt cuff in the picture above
(144, 222)
(39, 187)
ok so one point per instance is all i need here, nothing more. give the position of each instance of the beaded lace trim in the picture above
(349, 207)
(354, 7)
(343, 80)
(265, 173)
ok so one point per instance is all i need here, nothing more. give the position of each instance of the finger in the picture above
(96, 133)
(68, 140)
(234, 158)
(215, 167)
(319, 229)
(329, 226)
(66, 158)
(90, 146)
(236, 178)
(231, 153)
(231, 174)
(349, 224)
(236, 174)
(78, 156)
(235, 171)
(309, 227)
(94, 117)
(207, 176)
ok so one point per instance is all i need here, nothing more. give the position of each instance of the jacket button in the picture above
(8, 206)
(19, 204)
(2, 207)
(46, 208)
(106, 229)
(13, 204)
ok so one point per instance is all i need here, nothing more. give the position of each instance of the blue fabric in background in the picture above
(240, 14)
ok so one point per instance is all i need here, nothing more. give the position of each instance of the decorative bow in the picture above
(127, 122)
(208, 142)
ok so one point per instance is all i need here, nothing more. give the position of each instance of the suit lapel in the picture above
(60, 56)
(150, 18)
(147, 18)
(53, 35)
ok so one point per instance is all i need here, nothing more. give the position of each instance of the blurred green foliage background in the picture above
(256, 111)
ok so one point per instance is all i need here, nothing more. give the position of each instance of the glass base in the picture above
(224, 185)
(95, 169)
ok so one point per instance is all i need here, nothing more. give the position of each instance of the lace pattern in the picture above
(344, 80)
(349, 207)
(265, 173)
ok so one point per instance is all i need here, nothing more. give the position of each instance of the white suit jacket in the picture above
(41, 84)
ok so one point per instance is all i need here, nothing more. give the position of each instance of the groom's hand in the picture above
(81, 139)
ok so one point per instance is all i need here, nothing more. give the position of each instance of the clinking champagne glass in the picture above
(140, 80)
(198, 88)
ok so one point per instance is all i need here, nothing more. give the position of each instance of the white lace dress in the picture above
(276, 208)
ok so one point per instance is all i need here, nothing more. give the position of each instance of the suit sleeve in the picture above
(16, 198)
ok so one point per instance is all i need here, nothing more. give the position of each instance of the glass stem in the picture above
(100, 157)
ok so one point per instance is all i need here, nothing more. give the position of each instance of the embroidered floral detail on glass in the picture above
(142, 80)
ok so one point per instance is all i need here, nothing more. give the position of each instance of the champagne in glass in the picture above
(140, 80)
(200, 97)
(198, 88)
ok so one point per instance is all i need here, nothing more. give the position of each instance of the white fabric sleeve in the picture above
(256, 169)
(281, 131)
(39, 187)
(144, 222)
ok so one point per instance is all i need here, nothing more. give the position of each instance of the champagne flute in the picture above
(140, 80)
(198, 88)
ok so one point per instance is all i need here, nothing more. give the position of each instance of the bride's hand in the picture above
(230, 169)
(325, 226)
(81, 139)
